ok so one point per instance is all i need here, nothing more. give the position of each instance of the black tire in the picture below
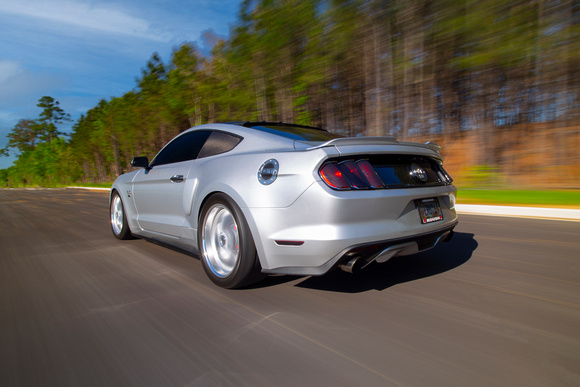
(118, 218)
(227, 250)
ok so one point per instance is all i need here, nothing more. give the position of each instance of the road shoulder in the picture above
(528, 212)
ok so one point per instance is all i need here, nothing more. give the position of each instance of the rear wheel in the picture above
(119, 223)
(227, 249)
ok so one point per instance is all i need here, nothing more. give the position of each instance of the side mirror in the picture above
(140, 162)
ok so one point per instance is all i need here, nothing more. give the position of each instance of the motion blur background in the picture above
(495, 82)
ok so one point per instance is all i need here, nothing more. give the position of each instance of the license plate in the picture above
(429, 210)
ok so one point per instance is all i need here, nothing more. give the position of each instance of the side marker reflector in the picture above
(289, 243)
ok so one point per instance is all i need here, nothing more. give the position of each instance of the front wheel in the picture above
(119, 223)
(227, 249)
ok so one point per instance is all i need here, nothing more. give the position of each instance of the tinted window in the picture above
(183, 148)
(298, 133)
(219, 142)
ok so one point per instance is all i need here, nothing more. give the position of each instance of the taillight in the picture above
(350, 175)
(443, 175)
(370, 174)
(333, 176)
(353, 175)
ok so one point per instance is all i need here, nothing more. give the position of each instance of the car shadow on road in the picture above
(442, 258)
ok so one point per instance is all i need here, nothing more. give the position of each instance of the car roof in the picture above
(294, 132)
(273, 135)
(279, 136)
(250, 124)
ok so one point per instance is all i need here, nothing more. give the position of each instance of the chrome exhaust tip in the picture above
(352, 265)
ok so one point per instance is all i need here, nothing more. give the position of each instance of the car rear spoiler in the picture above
(383, 140)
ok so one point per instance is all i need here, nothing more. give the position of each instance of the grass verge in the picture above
(94, 185)
(537, 198)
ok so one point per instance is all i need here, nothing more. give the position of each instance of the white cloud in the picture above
(106, 18)
(8, 69)
(16, 81)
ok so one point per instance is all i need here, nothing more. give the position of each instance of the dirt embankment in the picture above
(531, 156)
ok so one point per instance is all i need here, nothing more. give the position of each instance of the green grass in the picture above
(89, 185)
(508, 197)
(93, 185)
(558, 198)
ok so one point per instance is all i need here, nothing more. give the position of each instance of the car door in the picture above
(158, 190)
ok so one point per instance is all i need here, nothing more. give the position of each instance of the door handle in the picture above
(176, 178)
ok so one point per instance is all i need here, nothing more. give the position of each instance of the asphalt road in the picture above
(497, 306)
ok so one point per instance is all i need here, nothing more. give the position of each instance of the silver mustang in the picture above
(259, 198)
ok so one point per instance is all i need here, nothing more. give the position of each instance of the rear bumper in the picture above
(380, 252)
(324, 228)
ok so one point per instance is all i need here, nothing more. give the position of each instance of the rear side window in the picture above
(183, 148)
(219, 142)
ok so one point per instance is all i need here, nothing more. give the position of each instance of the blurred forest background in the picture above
(495, 82)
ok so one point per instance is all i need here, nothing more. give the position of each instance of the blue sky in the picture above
(81, 51)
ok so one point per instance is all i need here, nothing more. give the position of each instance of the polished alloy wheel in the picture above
(117, 215)
(221, 241)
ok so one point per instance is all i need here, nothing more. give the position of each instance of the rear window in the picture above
(298, 133)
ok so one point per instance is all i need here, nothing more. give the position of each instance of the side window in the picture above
(219, 142)
(183, 148)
